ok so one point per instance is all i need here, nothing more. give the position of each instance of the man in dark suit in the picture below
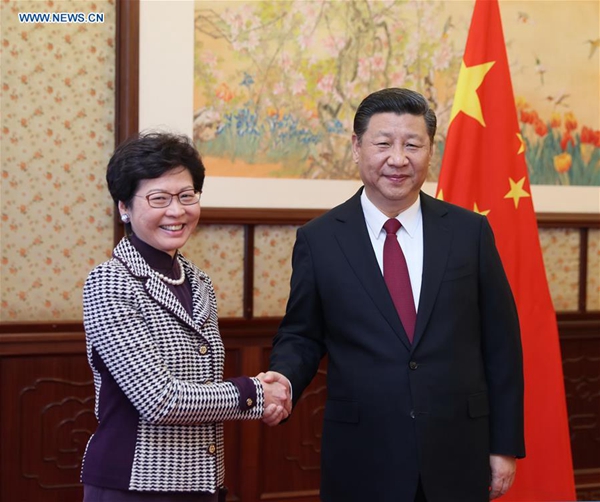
(426, 407)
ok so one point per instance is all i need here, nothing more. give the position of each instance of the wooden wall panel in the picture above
(232, 430)
(581, 363)
(46, 415)
(580, 347)
(46, 418)
(294, 448)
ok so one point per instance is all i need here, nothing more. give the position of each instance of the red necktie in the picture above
(395, 273)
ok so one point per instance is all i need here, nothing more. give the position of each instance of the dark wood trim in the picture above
(567, 318)
(15, 328)
(42, 343)
(579, 326)
(586, 479)
(277, 216)
(234, 326)
(127, 72)
(570, 325)
(569, 220)
(292, 496)
(250, 328)
(127, 78)
(258, 216)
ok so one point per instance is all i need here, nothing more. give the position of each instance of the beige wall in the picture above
(56, 214)
(57, 135)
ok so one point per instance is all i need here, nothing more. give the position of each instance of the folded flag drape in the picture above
(484, 170)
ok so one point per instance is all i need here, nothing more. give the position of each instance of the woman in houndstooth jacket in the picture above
(153, 342)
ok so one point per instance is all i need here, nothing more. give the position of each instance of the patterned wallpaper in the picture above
(57, 90)
(57, 135)
(272, 268)
(593, 282)
(219, 251)
(560, 248)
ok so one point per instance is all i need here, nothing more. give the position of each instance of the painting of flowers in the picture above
(276, 83)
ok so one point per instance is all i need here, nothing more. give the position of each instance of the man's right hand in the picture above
(278, 400)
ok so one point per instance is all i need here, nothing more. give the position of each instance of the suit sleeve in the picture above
(299, 344)
(501, 351)
(116, 329)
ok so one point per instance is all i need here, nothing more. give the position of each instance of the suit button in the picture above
(249, 402)
(412, 413)
(413, 365)
(203, 349)
(212, 449)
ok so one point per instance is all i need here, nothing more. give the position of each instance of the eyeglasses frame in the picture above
(147, 197)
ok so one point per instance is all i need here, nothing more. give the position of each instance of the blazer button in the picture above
(212, 449)
(413, 365)
(249, 402)
(203, 350)
(412, 413)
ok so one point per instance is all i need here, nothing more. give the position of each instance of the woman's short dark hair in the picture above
(394, 100)
(147, 156)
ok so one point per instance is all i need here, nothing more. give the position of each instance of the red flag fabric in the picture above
(484, 170)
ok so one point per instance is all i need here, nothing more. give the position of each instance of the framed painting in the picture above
(212, 70)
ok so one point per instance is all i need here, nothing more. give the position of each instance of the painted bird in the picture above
(539, 68)
(558, 100)
(594, 44)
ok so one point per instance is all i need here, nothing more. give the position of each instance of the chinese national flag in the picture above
(484, 170)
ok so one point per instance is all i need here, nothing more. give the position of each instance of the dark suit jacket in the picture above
(396, 411)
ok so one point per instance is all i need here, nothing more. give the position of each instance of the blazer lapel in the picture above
(158, 290)
(352, 235)
(437, 238)
(201, 293)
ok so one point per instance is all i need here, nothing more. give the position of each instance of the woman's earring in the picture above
(125, 218)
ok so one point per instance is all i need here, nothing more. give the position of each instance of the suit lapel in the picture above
(437, 238)
(158, 290)
(352, 235)
(200, 292)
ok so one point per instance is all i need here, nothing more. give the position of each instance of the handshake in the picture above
(278, 397)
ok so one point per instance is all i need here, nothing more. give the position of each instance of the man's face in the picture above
(393, 158)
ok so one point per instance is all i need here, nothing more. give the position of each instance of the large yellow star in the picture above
(516, 191)
(485, 212)
(466, 99)
(440, 195)
(522, 146)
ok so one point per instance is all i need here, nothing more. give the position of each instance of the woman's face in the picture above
(168, 228)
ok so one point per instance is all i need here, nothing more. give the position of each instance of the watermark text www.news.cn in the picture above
(61, 17)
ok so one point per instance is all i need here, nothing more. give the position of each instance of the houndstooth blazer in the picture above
(165, 371)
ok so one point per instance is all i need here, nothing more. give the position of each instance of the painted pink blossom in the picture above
(333, 45)
(299, 85)
(325, 83)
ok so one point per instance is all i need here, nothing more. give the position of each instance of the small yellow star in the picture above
(485, 212)
(440, 195)
(516, 191)
(466, 99)
(522, 147)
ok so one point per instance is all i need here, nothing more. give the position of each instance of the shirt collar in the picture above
(158, 260)
(409, 218)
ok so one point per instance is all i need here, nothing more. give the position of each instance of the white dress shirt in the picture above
(410, 237)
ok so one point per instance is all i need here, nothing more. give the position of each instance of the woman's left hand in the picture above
(274, 414)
